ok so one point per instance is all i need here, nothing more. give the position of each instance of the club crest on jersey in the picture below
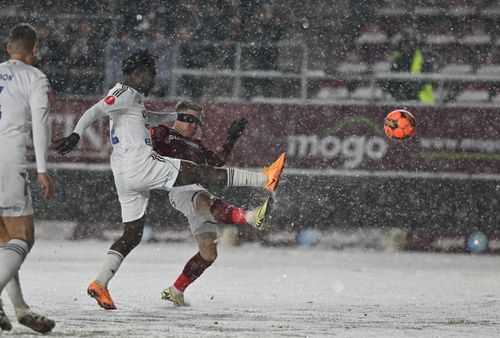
(110, 100)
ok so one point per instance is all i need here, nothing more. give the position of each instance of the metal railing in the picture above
(310, 80)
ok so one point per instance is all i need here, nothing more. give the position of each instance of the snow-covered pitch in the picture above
(253, 291)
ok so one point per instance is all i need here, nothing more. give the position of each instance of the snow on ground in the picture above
(252, 291)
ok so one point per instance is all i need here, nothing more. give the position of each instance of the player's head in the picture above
(23, 43)
(188, 117)
(139, 69)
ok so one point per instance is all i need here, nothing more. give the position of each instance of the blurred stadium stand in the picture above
(260, 50)
(267, 49)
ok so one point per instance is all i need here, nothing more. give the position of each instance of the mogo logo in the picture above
(353, 149)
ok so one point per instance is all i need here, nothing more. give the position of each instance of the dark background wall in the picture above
(436, 206)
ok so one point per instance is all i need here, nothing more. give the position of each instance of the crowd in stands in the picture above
(458, 41)
(83, 42)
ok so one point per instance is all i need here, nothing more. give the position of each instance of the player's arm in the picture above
(160, 117)
(218, 159)
(40, 106)
(68, 143)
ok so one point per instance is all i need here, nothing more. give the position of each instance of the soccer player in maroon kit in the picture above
(203, 210)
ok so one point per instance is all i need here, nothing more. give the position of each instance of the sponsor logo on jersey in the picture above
(110, 100)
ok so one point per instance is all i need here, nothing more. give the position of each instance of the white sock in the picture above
(15, 293)
(245, 178)
(109, 267)
(11, 257)
(249, 217)
(178, 292)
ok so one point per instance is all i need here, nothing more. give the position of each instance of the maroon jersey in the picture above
(169, 142)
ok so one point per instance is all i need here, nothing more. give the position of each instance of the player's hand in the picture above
(67, 144)
(45, 182)
(236, 130)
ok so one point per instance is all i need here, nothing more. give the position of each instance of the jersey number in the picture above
(114, 139)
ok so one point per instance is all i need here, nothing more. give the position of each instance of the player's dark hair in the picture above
(183, 105)
(139, 59)
(24, 36)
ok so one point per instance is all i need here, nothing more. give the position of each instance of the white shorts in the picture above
(157, 172)
(15, 195)
(183, 199)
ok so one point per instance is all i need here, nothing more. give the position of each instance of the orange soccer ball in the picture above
(399, 125)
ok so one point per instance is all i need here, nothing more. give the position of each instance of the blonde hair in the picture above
(183, 105)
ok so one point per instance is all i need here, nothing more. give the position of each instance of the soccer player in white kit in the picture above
(24, 108)
(137, 169)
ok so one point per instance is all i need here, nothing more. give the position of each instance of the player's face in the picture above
(189, 129)
(148, 79)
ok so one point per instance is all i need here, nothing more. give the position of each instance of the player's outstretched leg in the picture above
(215, 178)
(5, 324)
(267, 179)
(229, 214)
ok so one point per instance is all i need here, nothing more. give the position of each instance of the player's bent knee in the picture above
(202, 201)
(21, 228)
(210, 256)
(207, 246)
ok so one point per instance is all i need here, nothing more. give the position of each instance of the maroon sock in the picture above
(227, 214)
(193, 269)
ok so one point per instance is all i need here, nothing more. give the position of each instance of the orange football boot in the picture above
(273, 172)
(101, 295)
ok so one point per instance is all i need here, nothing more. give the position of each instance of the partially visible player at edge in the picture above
(137, 169)
(24, 108)
(202, 209)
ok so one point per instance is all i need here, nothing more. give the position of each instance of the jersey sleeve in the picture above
(106, 106)
(93, 113)
(40, 106)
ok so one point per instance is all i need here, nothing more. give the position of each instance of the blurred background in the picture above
(316, 80)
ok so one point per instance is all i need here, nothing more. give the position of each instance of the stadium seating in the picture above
(474, 93)
(354, 62)
(460, 38)
(333, 90)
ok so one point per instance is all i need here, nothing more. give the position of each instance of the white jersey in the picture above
(136, 168)
(128, 124)
(24, 107)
